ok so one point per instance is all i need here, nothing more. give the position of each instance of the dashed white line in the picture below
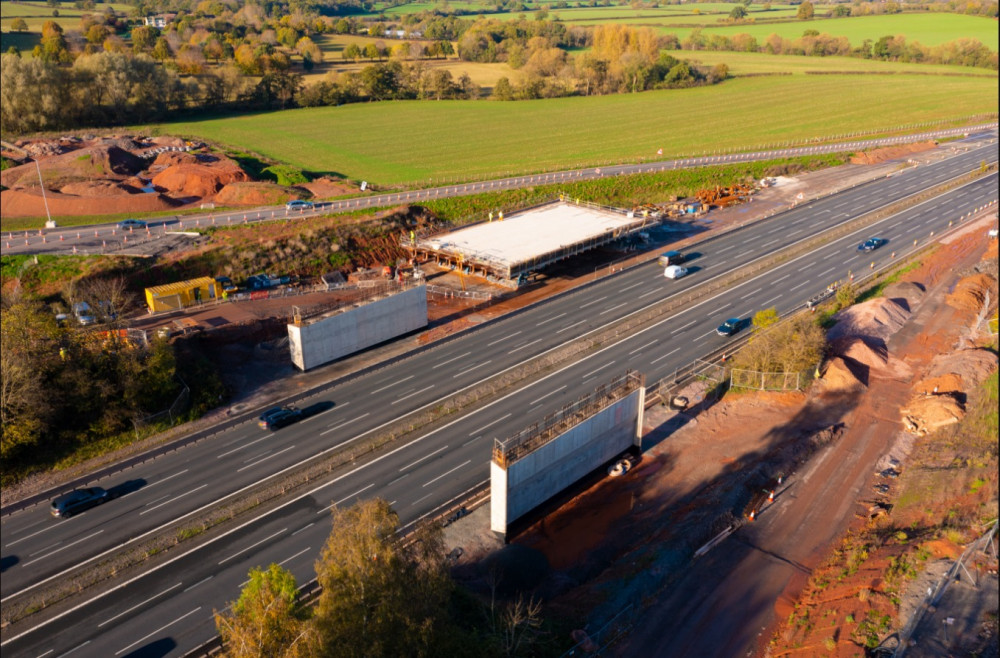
(804, 283)
(679, 329)
(768, 244)
(303, 529)
(398, 381)
(608, 310)
(575, 324)
(251, 465)
(426, 388)
(346, 422)
(634, 285)
(766, 304)
(651, 292)
(555, 317)
(203, 580)
(427, 456)
(161, 628)
(471, 368)
(599, 299)
(139, 605)
(664, 356)
(827, 271)
(781, 279)
(245, 445)
(466, 463)
(443, 363)
(534, 402)
(517, 349)
(642, 347)
(500, 340)
(488, 425)
(751, 293)
(186, 493)
(251, 546)
(289, 559)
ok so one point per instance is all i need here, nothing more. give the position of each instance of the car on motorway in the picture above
(729, 327)
(131, 224)
(871, 244)
(278, 417)
(299, 204)
(78, 500)
(675, 271)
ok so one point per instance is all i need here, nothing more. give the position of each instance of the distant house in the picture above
(402, 34)
(159, 20)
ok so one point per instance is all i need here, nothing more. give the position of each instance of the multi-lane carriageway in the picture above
(171, 608)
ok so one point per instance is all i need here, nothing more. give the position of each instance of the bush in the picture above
(284, 175)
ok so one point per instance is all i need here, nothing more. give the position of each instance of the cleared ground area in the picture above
(513, 246)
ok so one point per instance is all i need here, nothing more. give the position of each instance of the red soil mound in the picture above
(102, 188)
(198, 179)
(255, 194)
(29, 203)
(970, 292)
(890, 153)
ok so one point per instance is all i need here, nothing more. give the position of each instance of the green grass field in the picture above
(430, 142)
(36, 13)
(930, 29)
(756, 63)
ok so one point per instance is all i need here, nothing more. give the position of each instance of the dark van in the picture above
(670, 258)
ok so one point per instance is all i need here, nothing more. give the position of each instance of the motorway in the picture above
(170, 610)
(107, 238)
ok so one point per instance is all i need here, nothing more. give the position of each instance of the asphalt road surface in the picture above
(108, 238)
(170, 610)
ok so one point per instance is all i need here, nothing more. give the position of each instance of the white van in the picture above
(674, 271)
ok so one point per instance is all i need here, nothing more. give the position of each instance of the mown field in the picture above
(930, 29)
(36, 13)
(419, 143)
(757, 63)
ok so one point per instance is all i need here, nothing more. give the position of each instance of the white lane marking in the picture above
(516, 349)
(488, 425)
(600, 299)
(471, 368)
(651, 292)
(42, 655)
(392, 482)
(634, 285)
(751, 293)
(426, 388)
(768, 244)
(805, 267)
(781, 279)
(444, 363)
(534, 402)
(642, 347)
(829, 255)
(245, 445)
(79, 646)
(608, 310)
(346, 422)
(575, 324)
(203, 580)
(50, 527)
(796, 232)
(161, 628)
(332, 408)
(683, 328)
(827, 271)
(62, 548)
(302, 529)
(597, 370)
(139, 605)
(765, 304)
(398, 381)
(500, 340)
(169, 477)
(664, 356)
(722, 251)
(804, 283)
(240, 470)
(258, 456)
(422, 498)
(289, 559)
(716, 310)
(186, 493)
(467, 462)
(427, 456)
(251, 546)
(556, 317)
(347, 497)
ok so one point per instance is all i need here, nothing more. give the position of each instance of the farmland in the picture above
(36, 13)
(416, 143)
(930, 29)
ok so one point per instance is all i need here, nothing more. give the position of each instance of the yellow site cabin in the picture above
(174, 296)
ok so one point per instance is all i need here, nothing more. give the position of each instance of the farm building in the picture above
(509, 248)
(173, 296)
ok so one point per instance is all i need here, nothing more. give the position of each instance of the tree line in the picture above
(381, 596)
(66, 390)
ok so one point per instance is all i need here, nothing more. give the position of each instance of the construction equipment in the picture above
(721, 197)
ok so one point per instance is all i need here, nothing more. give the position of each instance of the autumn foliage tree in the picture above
(267, 620)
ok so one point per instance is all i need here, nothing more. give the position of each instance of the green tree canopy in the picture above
(266, 621)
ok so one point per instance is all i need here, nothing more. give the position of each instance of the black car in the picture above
(729, 327)
(273, 419)
(132, 224)
(78, 500)
(871, 244)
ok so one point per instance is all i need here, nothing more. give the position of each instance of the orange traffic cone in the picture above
(770, 497)
(753, 514)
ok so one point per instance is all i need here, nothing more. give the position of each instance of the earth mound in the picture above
(866, 351)
(196, 179)
(927, 413)
(327, 188)
(255, 194)
(971, 292)
(876, 318)
(29, 203)
(86, 164)
(102, 188)
(875, 156)
(907, 291)
(971, 366)
(839, 376)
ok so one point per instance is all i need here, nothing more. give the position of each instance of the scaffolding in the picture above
(508, 451)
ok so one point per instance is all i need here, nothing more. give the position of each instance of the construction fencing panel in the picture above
(765, 381)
